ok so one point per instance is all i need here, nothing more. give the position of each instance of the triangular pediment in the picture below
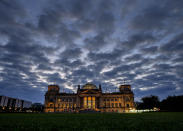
(89, 92)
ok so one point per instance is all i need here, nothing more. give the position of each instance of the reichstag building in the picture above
(89, 98)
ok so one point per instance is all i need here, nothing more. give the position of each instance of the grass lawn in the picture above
(163, 121)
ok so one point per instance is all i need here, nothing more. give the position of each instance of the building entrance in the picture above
(89, 102)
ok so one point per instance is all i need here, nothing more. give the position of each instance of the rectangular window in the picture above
(93, 102)
(116, 104)
(85, 102)
(74, 99)
(108, 105)
(119, 104)
(89, 102)
(70, 100)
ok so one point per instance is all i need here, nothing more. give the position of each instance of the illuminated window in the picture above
(119, 104)
(116, 104)
(51, 105)
(93, 102)
(85, 102)
(89, 102)
(108, 105)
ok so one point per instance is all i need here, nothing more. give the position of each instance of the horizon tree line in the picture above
(171, 103)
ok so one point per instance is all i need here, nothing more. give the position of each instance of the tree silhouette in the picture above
(149, 102)
(172, 103)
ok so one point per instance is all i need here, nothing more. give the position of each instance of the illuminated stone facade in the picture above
(89, 98)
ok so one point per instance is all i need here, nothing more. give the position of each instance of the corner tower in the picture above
(53, 88)
(51, 98)
(125, 88)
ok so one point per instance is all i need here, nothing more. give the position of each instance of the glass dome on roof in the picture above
(89, 86)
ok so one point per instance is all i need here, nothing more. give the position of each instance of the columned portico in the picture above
(89, 102)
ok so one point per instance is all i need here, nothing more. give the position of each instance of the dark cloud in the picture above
(55, 78)
(71, 53)
(10, 11)
(155, 16)
(110, 56)
(94, 42)
(175, 45)
(151, 18)
(135, 57)
(73, 42)
(150, 50)
(139, 39)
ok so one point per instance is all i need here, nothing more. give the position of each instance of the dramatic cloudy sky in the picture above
(71, 42)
